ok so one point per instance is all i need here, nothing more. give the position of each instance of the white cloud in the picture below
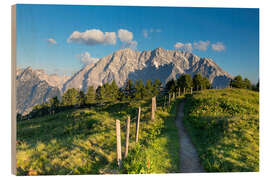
(219, 46)
(52, 41)
(86, 58)
(185, 47)
(178, 45)
(92, 37)
(131, 45)
(147, 32)
(201, 45)
(126, 37)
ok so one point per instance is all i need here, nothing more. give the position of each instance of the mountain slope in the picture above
(32, 90)
(157, 64)
(35, 86)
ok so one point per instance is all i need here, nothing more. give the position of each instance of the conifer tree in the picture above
(156, 87)
(90, 95)
(71, 97)
(139, 93)
(148, 89)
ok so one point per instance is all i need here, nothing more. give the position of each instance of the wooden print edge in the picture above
(13, 90)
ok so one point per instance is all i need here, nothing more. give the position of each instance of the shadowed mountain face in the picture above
(35, 86)
(32, 90)
(157, 64)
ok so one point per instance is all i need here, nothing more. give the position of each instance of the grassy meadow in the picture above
(224, 127)
(83, 141)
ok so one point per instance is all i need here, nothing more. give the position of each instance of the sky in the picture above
(62, 39)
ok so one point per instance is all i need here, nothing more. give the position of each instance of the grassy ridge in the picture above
(82, 141)
(224, 127)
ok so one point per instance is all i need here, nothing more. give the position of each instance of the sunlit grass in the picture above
(224, 126)
(82, 141)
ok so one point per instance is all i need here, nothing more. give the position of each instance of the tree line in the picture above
(110, 92)
(239, 82)
(186, 83)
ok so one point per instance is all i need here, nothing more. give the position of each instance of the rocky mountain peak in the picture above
(119, 66)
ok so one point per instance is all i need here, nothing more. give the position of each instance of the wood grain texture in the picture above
(138, 124)
(118, 142)
(13, 90)
(127, 136)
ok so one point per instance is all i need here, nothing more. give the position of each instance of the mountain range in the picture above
(35, 86)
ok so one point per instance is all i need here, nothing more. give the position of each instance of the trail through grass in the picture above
(224, 127)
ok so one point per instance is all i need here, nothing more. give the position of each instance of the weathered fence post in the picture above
(154, 100)
(138, 124)
(118, 143)
(153, 108)
(164, 104)
(179, 92)
(191, 90)
(127, 136)
(184, 90)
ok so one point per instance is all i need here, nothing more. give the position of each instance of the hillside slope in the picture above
(224, 127)
(82, 141)
(32, 89)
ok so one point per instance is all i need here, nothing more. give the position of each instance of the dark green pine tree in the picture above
(156, 87)
(54, 103)
(148, 89)
(82, 98)
(129, 90)
(71, 97)
(100, 94)
(90, 95)
(237, 82)
(114, 91)
(198, 82)
(247, 83)
(206, 83)
(139, 93)
(171, 86)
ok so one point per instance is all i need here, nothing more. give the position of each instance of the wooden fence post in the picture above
(118, 142)
(127, 136)
(164, 104)
(154, 100)
(191, 90)
(153, 108)
(138, 124)
(179, 92)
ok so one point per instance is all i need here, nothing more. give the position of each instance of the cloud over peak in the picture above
(126, 37)
(185, 47)
(219, 46)
(92, 37)
(86, 58)
(201, 45)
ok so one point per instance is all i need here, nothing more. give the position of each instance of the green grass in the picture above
(224, 127)
(82, 141)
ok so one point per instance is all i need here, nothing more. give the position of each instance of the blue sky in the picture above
(61, 39)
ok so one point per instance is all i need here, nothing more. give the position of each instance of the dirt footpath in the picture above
(189, 159)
